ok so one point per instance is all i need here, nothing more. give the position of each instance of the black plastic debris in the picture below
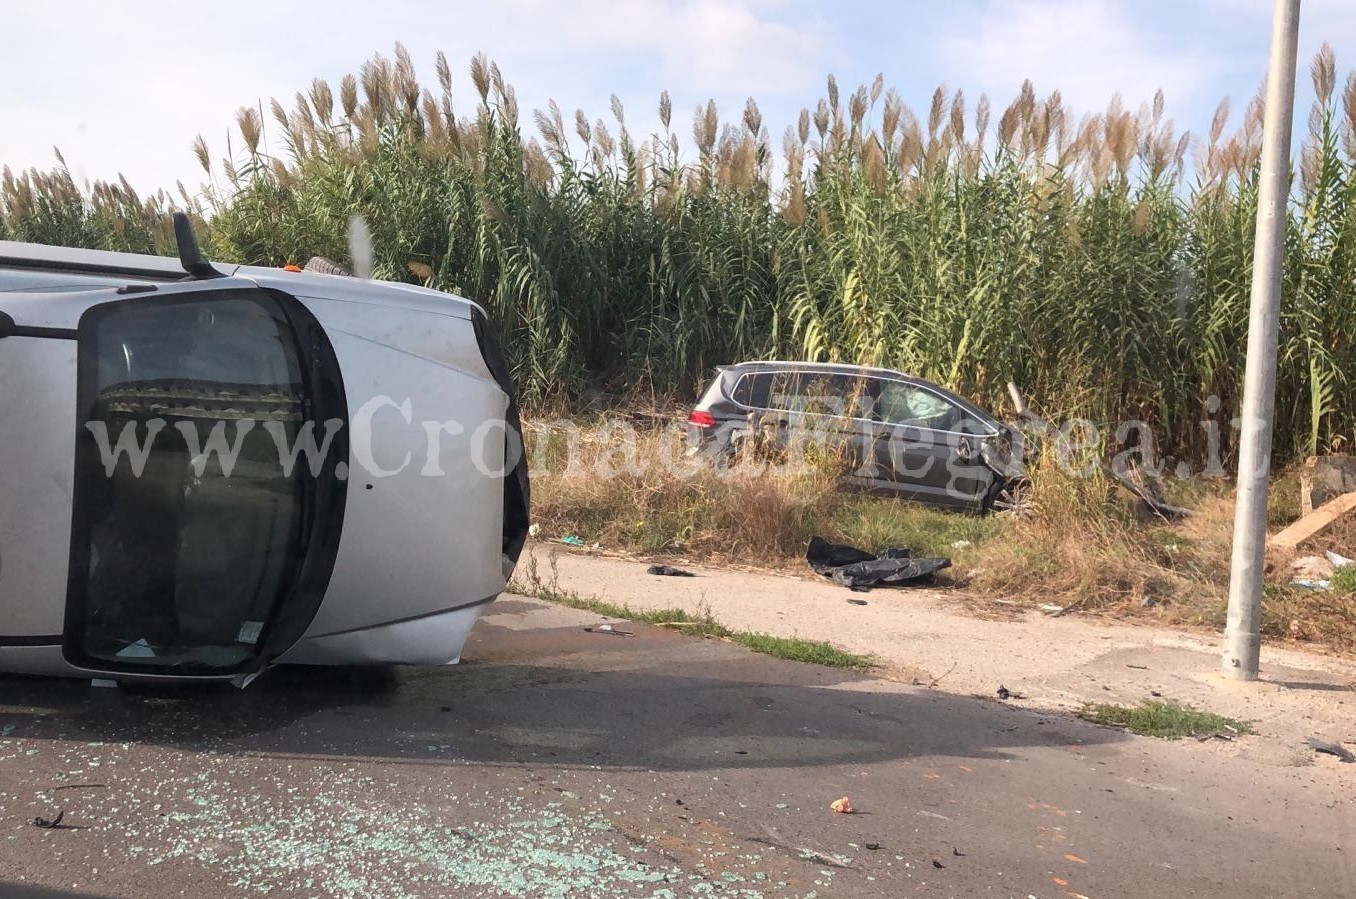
(53, 824)
(1331, 749)
(861, 570)
(668, 571)
(1005, 693)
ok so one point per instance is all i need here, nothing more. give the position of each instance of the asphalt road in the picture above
(558, 762)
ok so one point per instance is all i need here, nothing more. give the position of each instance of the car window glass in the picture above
(752, 390)
(189, 559)
(822, 393)
(904, 404)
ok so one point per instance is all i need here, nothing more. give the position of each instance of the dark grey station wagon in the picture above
(896, 433)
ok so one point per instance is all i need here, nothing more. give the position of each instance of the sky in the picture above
(124, 87)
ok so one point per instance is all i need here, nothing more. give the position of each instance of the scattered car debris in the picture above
(871, 846)
(668, 571)
(857, 602)
(861, 570)
(53, 824)
(609, 629)
(1150, 491)
(937, 864)
(936, 680)
(804, 853)
(843, 806)
(1331, 749)
(1005, 693)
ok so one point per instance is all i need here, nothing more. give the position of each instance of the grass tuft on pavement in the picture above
(795, 649)
(1166, 720)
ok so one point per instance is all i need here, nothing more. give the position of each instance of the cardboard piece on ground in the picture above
(1315, 521)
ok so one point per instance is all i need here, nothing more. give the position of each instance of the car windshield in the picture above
(186, 552)
(905, 404)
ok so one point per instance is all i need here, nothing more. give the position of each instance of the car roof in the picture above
(30, 267)
(41, 257)
(843, 367)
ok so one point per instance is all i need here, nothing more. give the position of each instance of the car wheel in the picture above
(1013, 498)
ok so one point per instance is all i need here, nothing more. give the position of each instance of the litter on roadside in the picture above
(668, 571)
(1316, 568)
(842, 806)
(1005, 693)
(1309, 583)
(862, 570)
(1149, 489)
(1331, 749)
(610, 629)
(571, 540)
(53, 824)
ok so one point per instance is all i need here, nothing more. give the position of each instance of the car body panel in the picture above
(421, 551)
(38, 409)
(429, 561)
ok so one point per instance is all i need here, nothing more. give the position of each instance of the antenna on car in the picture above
(190, 254)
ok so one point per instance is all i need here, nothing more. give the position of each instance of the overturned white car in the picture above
(206, 470)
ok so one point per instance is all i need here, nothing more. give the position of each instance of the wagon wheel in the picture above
(1014, 499)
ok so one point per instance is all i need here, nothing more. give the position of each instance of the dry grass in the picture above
(748, 515)
(1087, 548)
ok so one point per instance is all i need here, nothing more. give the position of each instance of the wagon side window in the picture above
(821, 393)
(752, 390)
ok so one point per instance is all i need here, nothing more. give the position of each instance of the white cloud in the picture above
(125, 88)
(1087, 49)
(716, 45)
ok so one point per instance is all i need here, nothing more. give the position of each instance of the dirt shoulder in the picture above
(1057, 662)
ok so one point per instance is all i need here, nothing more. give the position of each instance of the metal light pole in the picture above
(1242, 635)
